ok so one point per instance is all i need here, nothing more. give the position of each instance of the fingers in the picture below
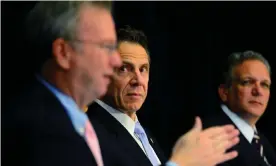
(225, 141)
(233, 133)
(232, 143)
(226, 137)
(218, 130)
(196, 130)
(226, 157)
(223, 146)
(198, 125)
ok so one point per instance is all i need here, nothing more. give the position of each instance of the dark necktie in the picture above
(256, 142)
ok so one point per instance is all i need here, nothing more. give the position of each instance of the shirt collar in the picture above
(77, 116)
(123, 118)
(243, 126)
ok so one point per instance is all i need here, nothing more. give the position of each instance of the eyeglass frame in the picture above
(109, 47)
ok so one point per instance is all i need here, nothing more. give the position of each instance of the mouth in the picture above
(255, 102)
(134, 94)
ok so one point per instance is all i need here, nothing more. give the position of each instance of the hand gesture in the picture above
(205, 147)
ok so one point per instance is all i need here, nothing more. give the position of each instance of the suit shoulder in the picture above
(214, 119)
(30, 106)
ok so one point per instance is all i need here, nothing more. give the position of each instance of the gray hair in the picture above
(238, 58)
(50, 20)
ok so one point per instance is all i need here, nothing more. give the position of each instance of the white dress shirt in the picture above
(126, 121)
(246, 130)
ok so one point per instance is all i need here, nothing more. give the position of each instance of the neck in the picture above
(110, 101)
(65, 83)
(247, 117)
(131, 114)
(250, 119)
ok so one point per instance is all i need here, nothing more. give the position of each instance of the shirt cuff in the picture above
(170, 163)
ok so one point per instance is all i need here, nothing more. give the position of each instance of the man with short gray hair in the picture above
(74, 44)
(244, 93)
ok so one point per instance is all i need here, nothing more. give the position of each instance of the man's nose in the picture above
(257, 90)
(137, 78)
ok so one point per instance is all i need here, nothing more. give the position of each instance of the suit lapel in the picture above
(54, 114)
(247, 153)
(118, 132)
(156, 147)
(268, 150)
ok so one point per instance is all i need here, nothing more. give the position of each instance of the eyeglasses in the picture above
(109, 47)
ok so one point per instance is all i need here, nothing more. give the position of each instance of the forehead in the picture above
(134, 53)
(96, 23)
(252, 68)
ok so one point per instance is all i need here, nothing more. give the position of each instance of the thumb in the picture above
(198, 124)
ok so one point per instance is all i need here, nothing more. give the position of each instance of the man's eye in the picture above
(245, 82)
(123, 68)
(110, 47)
(266, 85)
(248, 82)
(144, 69)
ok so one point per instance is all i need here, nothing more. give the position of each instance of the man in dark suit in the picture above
(244, 93)
(115, 121)
(46, 126)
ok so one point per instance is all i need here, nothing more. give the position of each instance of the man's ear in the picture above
(223, 92)
(62, 53)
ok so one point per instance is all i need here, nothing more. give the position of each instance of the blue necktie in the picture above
(140, 132)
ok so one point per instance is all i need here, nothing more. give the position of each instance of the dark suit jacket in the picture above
(247, 155)
(36, 131)
(111, 133)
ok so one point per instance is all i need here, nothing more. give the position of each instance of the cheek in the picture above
(77, 62)
(80, 69)
(238, 96)
(96, 60)
(267, 95)
(119, 87)
(146, 84)
(243, 93)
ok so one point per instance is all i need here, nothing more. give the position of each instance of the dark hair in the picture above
(129, 34)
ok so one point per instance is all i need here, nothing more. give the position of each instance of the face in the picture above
(250, 90)
(129, 85)
(96, 55)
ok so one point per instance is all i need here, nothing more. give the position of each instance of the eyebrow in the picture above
(249, 77)
(112, 42)
(131, 64)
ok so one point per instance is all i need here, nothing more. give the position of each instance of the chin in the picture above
(133, 107)
(101, 92)
(256, 112)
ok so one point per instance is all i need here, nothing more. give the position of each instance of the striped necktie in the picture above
(257, 143)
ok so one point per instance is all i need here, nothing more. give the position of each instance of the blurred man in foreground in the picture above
(75, 44)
